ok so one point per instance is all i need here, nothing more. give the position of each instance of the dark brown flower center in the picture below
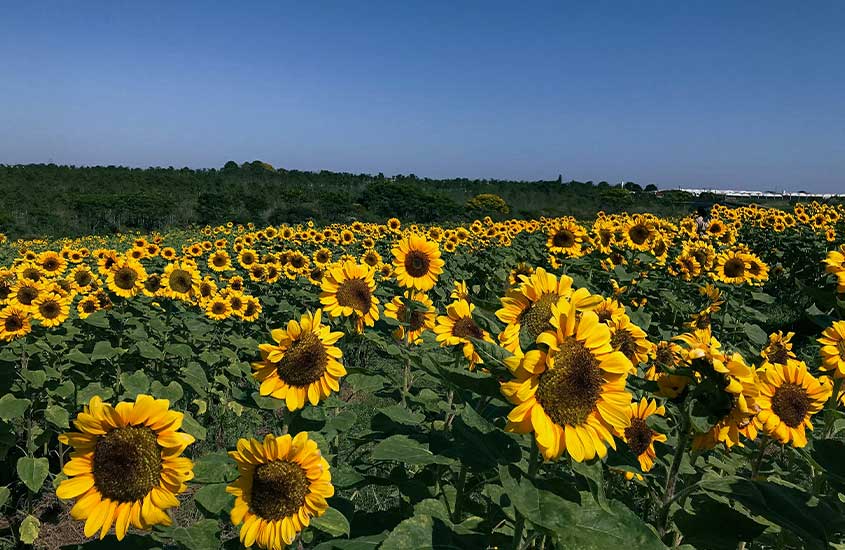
(13, 323)
(355, 293)
(414, 319)
(535, 320)
(278, 489)
(569, 391)
(735, 267)
(180, 281)
(638, 435)
(50, 309)
(304, 362)
(639, 233)
(153, 283)
(127, 463)
(465, 327)
(778, 353)
(417, 263)
(791, 403)
(89, 306)
(51, 264)
(624, 341)
(218, 308)
(125, 278)
(82, 278)
(219, 260)
(563, 238)
(27, 294)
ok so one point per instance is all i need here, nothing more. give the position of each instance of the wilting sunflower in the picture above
(14, 322)
(126, 277)
(414, 321)
(126, 467)
(639, 436)
(573, 396)
(180, 280)
(789, 397)
(779, 349)
(303, 365)
(417, 263)
(283, 483)
(50, 309)
(515, 276)
(457, 327)
(833, 349)
(349, 290)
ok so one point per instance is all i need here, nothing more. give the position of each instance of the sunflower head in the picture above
(417, 263)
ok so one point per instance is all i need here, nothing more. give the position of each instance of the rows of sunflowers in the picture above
(501, 384)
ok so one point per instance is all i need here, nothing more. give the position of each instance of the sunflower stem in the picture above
(755, 466)
(829, 415)
(459, 496)
(533, 466)
(672, 478)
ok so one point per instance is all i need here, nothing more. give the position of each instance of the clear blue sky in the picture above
(742, 94)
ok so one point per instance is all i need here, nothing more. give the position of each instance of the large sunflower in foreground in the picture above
(349, 290)
(789, 397)
(303, 364)
(415, 320)
(417, 262)
(126, 467)
(283, 483)
(457, 327)
(833, 349)
(573, 396)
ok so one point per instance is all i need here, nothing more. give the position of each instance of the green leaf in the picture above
(194, 376)
(201, 536)
(36, 378)
(401, 448)
(4, 495)
(134, 383)
(332, 522)
(414, 532)
(11, 407)
(84, 395)
(715, 525)
(78, 357)
(214, 497)
(793, 509)
(182, 351)
(103, 350)
(398, 414)
(191, 426)
(829, 454)
(172, 392)
(33, 472)
(214, 468)
(57, 416)
(97, 319)
(29, 529)
(149, 351)
(757, 335)
(366, 383)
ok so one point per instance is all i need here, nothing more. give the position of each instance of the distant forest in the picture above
(52, 200)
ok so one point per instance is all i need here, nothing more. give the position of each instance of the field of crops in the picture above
(628, 381)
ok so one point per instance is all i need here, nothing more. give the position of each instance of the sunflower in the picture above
(608, 310)
(414, 321)
(50, 309)
(87, 306)
(23, 293)
(283, 483)
(417, 263)
(789, 397)
(393, 224)
(251, 310)
(460, 291)
(833, 349)
(349, 290)
(220, 261)
(638, 233)
(371, 258)
(322, 257)
(732, 267)
(126, 277)
(457, 327)
(218, 308)
(83, 278)
(639, 436)
(515, 276)
(527, 310)
(52, 263)
(565, 237)
(247, 257)
(303, 364)
(14, 322)
(126, 467)
(180, 280)
(779, 349)
(630, 339)
(573, 396)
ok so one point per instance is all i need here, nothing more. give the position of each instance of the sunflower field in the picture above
(554, 383)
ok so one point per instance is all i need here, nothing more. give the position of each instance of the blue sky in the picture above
(746, 94)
